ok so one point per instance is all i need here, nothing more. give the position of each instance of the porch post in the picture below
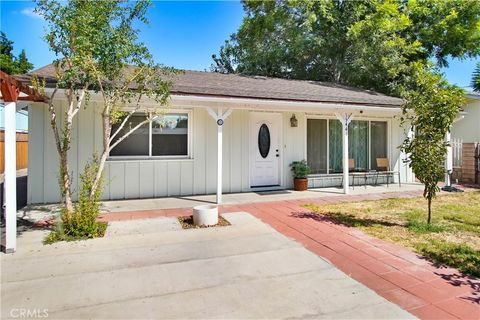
(448, 160)
(345, 120)
(10, 182)
(219, 158)
(220, 118)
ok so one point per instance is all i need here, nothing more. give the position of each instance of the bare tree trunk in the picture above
(107, 128)
(62, 142)
(108, 138)
(429, 210)
(62, 145)
(65, 181)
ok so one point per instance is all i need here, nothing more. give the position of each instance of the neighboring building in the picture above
(21, 116)
(468, 128)
(271, 123)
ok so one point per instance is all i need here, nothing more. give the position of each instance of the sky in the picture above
(182, 34)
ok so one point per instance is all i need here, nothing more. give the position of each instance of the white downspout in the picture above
(10, 182)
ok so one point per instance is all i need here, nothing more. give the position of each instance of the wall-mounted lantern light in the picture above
(293, 121)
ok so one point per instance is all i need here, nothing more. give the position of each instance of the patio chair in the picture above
(353, 173)
(384, 169)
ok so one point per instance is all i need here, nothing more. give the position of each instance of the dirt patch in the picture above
(187, 223)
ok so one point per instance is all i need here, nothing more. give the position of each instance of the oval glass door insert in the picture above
(264, 140)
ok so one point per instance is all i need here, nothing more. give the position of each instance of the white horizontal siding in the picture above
(130, 179)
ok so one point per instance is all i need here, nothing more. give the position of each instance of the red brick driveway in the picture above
(401, 276)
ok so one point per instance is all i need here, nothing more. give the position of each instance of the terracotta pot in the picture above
(300, 184)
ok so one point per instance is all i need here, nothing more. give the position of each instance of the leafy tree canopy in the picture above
(368, 44)
(8, 62)
(98, 48)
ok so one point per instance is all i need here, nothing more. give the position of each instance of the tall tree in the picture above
(431, 105)
(98, 48)
(383, 45)
(6, 45)
(8, 62)
(476, 78)
(333, 40)
(23, 65)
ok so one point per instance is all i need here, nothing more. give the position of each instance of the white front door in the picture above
(265, 149)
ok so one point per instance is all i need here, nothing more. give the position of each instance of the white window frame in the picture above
(332, 117)
(150, 156)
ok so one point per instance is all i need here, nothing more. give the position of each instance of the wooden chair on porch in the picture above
(353, 173)
(384, 169)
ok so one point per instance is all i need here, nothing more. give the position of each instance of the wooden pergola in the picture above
(12, 91)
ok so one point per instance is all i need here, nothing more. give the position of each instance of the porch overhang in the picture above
(280, 105)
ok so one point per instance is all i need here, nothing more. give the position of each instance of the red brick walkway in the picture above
(398, 274)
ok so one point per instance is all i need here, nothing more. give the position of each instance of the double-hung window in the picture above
(367, 141)
(166, 136)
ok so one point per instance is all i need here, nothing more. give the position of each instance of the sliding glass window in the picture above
(379, 142)
(367, 141)
(317, 145)
(358, 145)
(335, 146)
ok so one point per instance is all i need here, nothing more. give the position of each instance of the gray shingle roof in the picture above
(239, 86)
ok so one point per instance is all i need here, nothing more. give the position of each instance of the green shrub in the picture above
(82, 222)
(300, 169)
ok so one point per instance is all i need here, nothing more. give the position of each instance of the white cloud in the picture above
(30, 12)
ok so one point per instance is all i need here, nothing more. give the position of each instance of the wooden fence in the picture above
(22, 150)
(457, 150)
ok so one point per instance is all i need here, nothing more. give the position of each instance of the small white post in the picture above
(10, 183)
(219, 156)
(448, 160)
(345, 120)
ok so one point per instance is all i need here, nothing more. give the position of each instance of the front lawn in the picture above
(453, 238)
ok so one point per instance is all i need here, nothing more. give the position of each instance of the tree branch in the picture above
(121, 125)
(129, 133)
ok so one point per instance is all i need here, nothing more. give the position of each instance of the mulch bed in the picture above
(187, 223)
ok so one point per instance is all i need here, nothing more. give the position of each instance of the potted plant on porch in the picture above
(300, 171)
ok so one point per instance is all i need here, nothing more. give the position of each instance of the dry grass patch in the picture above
(453, 238)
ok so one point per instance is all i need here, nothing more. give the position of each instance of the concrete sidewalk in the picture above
(153, 269)
(426, 289)
(45, 212)
(250, 197)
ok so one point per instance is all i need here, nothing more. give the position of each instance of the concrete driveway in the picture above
(153, 269)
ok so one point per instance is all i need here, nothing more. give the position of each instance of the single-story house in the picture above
(468, 128)
(248, 128)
